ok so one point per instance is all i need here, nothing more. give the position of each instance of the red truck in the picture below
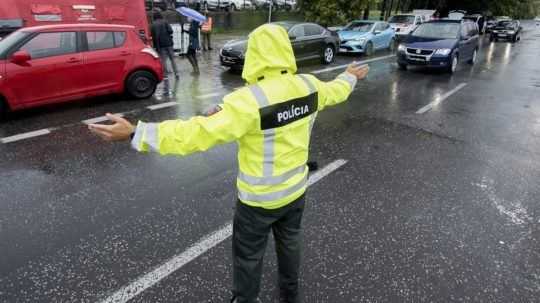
(15, 14)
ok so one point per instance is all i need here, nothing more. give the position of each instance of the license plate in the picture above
(417, 59)
(344, 50)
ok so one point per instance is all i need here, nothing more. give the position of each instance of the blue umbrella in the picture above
(191, 13)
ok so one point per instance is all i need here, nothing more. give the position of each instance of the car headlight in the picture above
(402, 48)
(511, 32)
(443, 51)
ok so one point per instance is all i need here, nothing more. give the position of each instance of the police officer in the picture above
(271, 119)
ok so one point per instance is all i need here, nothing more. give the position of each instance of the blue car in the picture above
(441, 44)
(366, 37)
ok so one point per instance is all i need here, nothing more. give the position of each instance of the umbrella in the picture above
(191, 13)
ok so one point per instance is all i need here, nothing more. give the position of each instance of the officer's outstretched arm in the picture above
(336, 91)
(339, 90)
(178, 137)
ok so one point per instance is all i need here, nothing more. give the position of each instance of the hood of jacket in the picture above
(269, 53)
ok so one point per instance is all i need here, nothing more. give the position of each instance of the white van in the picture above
(405, 24)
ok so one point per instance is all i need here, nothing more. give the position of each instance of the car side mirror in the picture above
(21, 57)
(292, 37)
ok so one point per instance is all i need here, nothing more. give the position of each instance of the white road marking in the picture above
(208, 96)
(27, 135)
(345, 65)
(149, 279)
(99, 119)
(440, 99)
(162, 105)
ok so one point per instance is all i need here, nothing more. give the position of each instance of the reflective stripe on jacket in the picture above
(271, 119)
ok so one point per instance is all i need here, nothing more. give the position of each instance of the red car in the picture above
(57, 63)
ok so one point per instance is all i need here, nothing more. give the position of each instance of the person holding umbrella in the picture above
(194, 18)
(193, 44)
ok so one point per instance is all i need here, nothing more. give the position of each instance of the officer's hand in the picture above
(121, 130)
(358, 71)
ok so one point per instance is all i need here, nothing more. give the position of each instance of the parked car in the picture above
(507, 30)
(240, 4)
(479, 20)
(57, 63)
(492, 22)
(405, 24)
(309, 41)
(215, 4)
(277, 4)
(456, 15)
(366, 37)
(440, 43)
(537, 19)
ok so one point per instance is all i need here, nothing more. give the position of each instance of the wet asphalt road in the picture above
(434, 207)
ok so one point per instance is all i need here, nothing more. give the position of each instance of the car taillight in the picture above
(150, 51)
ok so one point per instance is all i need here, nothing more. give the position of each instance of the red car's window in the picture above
(51, 44)
(119, 38)
(100, 40)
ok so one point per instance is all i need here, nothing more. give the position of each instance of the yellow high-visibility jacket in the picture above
(271, 119)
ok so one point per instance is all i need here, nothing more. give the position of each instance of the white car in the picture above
(240, 4)
(277, 4)
(405, 24)
(215, 4)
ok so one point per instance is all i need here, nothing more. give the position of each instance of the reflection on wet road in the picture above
(437, 200)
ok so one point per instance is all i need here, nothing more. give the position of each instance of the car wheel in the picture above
(141, 84)
(369, 48)
(329, 54)
(473, 59)
(454, 61)
(402, 66)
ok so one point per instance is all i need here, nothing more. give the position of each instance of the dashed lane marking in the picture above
(100, 119)
(208, 96)
(208, 242)
(162, 105)
(441, 99)
(27, 135)
(345, 65)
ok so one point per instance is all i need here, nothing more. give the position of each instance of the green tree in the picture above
(333, 12)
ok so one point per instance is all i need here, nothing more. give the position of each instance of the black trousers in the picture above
(251, 228)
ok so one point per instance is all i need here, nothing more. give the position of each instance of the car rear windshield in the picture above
(474, 19)
(359, 27)
(504, 23)
(438, 30)
(286, 25)
(402, 19)
(7, 43)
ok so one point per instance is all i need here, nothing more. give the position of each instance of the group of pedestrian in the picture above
(162, 35)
